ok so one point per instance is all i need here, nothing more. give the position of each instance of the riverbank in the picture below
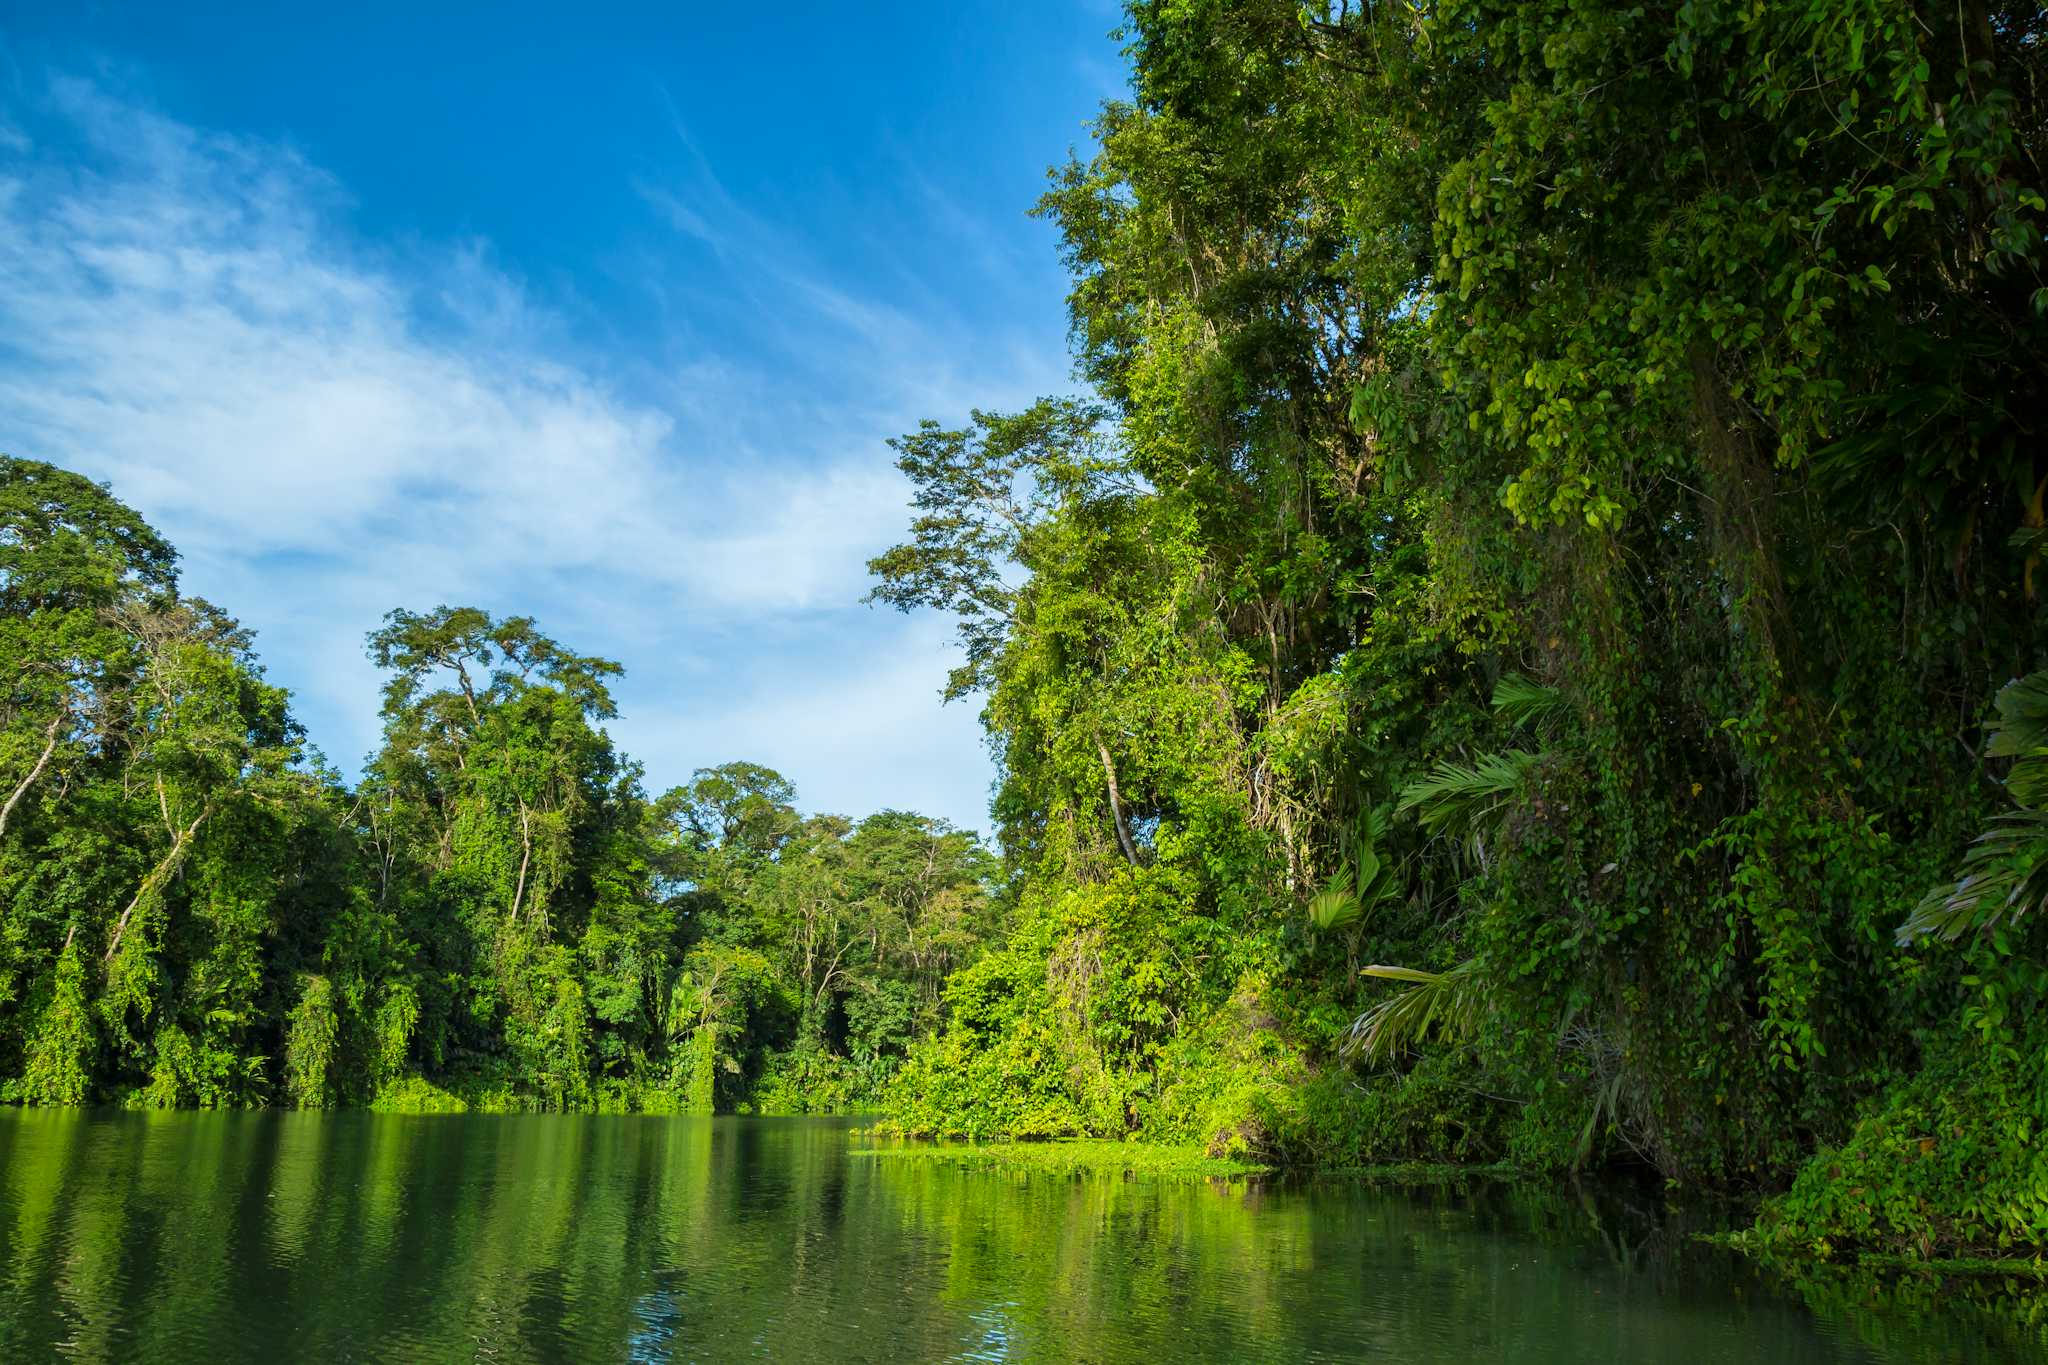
(1107, 1156)
(2006, 1283)
(1101, 1156)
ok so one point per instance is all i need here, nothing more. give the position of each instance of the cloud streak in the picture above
(328, 428)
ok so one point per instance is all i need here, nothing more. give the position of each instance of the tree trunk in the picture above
(1741, 488)
(1116, 805)
(160, 874)
(525, 857)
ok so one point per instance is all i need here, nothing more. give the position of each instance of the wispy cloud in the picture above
(329, 427)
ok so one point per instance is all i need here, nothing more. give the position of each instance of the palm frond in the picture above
(1336, 906)
(1370, 878)
(1519, 701)
(2021, 730)
(1456, 799)
(2004, 877)
(2028, 781)
(1449, 1003)
(1607, 1104)
(1371, 826)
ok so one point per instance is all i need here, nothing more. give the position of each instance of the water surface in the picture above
(282, 1237)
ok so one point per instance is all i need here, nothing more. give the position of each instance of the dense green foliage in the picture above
(1564, 493)
(1499, 670)
(195, 911)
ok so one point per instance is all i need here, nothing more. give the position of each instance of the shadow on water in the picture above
(279, 1236)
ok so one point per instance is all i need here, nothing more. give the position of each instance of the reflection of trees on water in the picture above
(274, 1236)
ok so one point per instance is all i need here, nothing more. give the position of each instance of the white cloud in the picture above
(861, 733)
(187, 330)
(327, 430)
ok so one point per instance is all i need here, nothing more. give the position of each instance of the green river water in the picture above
(282, 1237)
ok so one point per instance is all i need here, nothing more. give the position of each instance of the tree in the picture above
(985, 493)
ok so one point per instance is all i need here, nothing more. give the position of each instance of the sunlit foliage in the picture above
(194, 910)
(1604, 436)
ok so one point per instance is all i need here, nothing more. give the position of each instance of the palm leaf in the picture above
(1456, 799)
(1352, 892)
(1518, 701)
(2021, 733)
(2021, 729)
(1607, 1102)
(1449, 1002)
(1336, 906)
(2004, 877)
(2028, 780)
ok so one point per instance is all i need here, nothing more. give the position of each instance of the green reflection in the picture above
(288, 1236)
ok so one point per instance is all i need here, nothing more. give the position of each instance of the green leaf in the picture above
(1336, 906)
(1456, 799)
(1519, 701)
(1448, 1003)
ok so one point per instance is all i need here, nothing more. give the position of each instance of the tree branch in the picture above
(49, 747)
(526, 839)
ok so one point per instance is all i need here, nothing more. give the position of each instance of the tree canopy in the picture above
(193, 910)
(1560, 502)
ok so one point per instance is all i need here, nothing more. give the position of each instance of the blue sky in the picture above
(601, 318)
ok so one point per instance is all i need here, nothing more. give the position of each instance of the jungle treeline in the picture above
(1527, 649)
(195, 909)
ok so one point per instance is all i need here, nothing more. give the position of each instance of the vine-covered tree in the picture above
(1577, 502)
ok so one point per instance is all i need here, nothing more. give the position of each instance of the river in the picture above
(282, 1237)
